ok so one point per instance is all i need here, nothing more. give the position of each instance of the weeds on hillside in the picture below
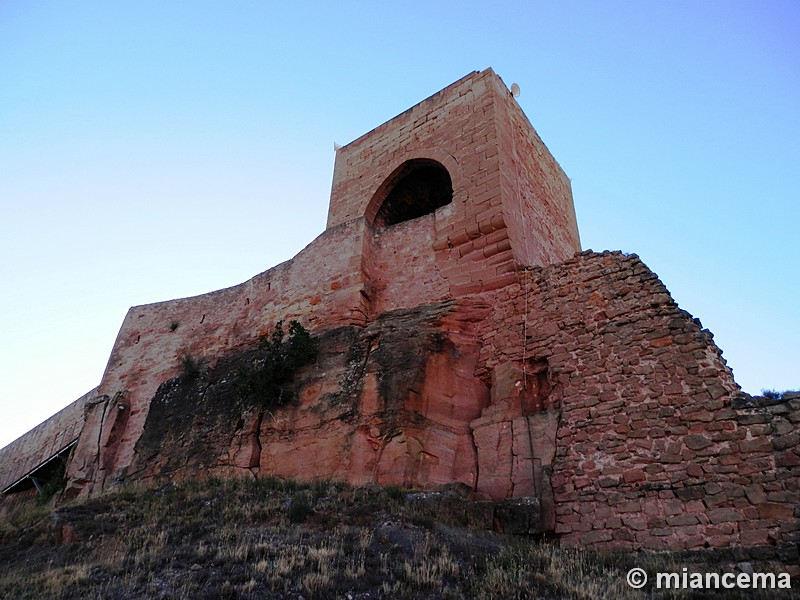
(239, 539)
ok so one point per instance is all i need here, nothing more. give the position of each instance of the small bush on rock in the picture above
(54, 484)
(279, 357)
(191, 366)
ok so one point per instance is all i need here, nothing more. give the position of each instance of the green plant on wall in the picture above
(279, 357)
(191, 366)
(778, 396)
(54, 484)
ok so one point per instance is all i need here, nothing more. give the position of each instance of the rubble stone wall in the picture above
(656, 447)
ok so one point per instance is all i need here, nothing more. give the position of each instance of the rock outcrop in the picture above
(388, 403)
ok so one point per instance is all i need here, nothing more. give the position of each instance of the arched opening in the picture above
(418, 187)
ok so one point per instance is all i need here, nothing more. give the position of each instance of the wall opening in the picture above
(416, 188)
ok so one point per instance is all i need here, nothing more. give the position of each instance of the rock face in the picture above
(464, 340)
(388, 403)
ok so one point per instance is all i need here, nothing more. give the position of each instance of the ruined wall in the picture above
(29, 451)
(654, 445)
(583, 385)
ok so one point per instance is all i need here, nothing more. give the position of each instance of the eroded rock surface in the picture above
(390, 403)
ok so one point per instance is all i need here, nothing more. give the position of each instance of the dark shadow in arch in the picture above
(416, 188)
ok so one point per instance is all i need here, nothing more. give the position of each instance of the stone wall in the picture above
(655, 447)
(353, 271)
(582, 384)
(27, 452)
(388, 403)
(322, 287)
(536, 194)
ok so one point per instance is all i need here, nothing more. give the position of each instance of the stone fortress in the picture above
(464, 339)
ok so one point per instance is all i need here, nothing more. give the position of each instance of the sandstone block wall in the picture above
(321, 286)
(500, 171)
(536, 194)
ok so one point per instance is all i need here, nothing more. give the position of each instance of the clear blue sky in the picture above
(154, 150)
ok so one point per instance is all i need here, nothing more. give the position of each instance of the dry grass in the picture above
(240, 539)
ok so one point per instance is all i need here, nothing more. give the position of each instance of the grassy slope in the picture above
(276, 539)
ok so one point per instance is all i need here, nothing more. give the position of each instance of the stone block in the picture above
(773, 510)
(697, 442)
(784, 442)
(723, 515)
(787, 458)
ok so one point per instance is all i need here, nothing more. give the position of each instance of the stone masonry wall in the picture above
(322, 287)
(445, 127)
(404, 270)
(469, 128)
(655, 445)
(352, 272)
(469, 345)
(536, 194)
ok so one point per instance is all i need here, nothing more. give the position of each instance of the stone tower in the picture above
(477, 190)
(446, 200)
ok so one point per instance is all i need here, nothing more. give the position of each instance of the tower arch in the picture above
(416, 188)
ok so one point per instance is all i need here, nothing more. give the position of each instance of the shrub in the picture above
(191, 366)
(299, 508)
(54, 484)
(777, 396)
(396, 493)
(279, 357)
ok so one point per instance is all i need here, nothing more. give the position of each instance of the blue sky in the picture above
(154, 150)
